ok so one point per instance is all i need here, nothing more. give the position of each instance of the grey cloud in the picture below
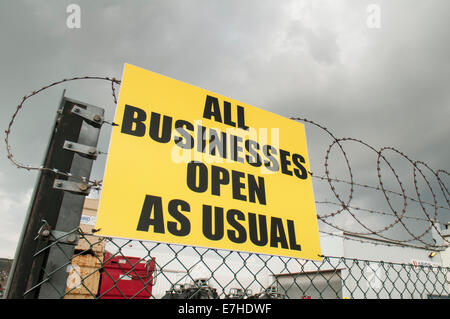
(386, 86)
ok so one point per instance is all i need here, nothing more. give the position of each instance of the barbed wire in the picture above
(343, 205)
(373, 211)
(376, 188)
(418, 167)
(94, 184)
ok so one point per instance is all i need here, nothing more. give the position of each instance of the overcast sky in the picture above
(386, 84)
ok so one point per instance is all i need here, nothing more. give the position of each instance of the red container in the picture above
(126, 278)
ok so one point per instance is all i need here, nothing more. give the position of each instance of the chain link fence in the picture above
(105, 268)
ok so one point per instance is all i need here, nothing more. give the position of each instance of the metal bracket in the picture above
(90, 116)
(81, 188)
(44, 231)
(64, 238)
(47, 233)
(82, 149)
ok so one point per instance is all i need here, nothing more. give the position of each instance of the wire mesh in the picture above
(105, 268)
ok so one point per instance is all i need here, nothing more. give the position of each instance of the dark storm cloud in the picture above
(313, 59)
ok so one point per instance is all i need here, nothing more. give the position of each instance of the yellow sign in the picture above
(192, 167)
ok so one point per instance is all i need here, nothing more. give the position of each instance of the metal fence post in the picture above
(53, 206)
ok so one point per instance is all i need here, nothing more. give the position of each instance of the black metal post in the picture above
(54, 207)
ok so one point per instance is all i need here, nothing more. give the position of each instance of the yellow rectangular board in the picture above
(189, 166)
